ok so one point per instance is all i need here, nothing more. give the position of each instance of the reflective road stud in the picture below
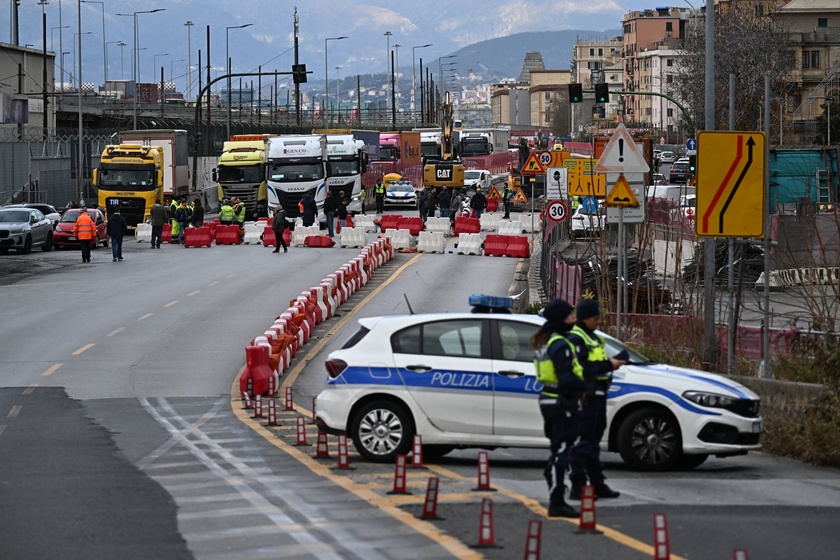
(661, 548)
(417, 452)
(290, 405)
(587, 511)
(486, 537)
(399, 476)
(430, 503)
(532, 542)
(484, 473)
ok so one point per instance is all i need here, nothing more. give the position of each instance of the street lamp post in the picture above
(326, 78)
(104, 44)
(338, 92)
(414, 75)
(440, 66)
(43, 4)
(387, 68)
(155, 71)
(188, 89)
(121, 45)
(136, 55)
(228, 66)
(77, 58)
(396, 72)
(106, 56)
(52, 35)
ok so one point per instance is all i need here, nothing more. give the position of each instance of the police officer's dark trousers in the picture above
(560, 417)
(586, 454)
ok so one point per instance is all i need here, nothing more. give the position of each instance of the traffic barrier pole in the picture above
(483, 473)
(486, 536)
(258, 406)
(532, 542)
(399, 476)
(271, 389)
(343, 456)
(290, 405)
(323, 449)
(740, 554)
(661, 547)
(417, 452)
(430, 503)
(301, 431)
(246, 400)
(272, 413)
(587, 511)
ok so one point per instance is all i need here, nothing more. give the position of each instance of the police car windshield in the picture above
(615, 347)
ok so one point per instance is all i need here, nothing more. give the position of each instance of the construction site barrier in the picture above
(166, 236)
(300, 234)
(489, 222)
(466, 225)
(253, 233)
(440, 225)
(143, 232)
(318, 241)
(228, 235)
(496, 245)
(256, 371)
(400, 238)
(414, 224)
(198, 237)
(469, 244)
(431, 242)
(510, 227)
(389, 221)
(364, 221)
(353, 237)
(526, 223)
(518, 246)
(492, 204)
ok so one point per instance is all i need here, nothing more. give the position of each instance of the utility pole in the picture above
(43, 3)
(297, 85)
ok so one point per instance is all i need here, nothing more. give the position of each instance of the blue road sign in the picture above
(691, 144)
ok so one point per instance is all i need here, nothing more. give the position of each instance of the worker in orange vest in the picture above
(84, 230)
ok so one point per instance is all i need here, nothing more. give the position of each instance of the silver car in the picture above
(24, 228)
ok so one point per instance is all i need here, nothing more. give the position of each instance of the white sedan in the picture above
(467, 380)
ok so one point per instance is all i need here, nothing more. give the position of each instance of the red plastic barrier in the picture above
(492, 204)
(228, 235)
(389, 221)
(518, 246)
(270, 239)
(413, 224)
(166, 236)
(198, 237)
(349, 220)
(466, 225)
(318, 241)
(496, 245)
(257, 370)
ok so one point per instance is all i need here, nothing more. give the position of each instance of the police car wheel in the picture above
(382, 430)
(649, 439)
(688, 462)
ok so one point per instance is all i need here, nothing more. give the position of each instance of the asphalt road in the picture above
(149, 440)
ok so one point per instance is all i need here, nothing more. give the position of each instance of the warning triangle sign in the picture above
(621, 195)
(621, 155)
(494, 193)
(532, 165)
(519, 196)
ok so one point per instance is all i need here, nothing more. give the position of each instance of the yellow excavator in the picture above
(448, 171)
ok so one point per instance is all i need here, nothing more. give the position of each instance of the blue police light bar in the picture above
(491, 302)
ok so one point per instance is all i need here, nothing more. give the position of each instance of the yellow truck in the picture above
(130, 177)
(241, 172)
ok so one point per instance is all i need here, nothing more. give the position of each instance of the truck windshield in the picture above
(244, 174)
(295, 172)
(342, 168)
(475, 147)
(387, 153)
(429, 149)
(128, 179)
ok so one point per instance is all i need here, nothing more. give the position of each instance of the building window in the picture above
(669, 78)
(548, 96)
(669, 62)
(806, 59)
(591, 52)
(822, 22)
(600, 52)
(670, 112)
(669, 26)
(815, 59)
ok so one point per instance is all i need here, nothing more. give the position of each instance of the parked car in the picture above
(667, 157)
(400, 195)
(679, 172)
(658, 179)
(46, 209)
(22, 228)
(64, 235)
(467, 380)
(588, 220)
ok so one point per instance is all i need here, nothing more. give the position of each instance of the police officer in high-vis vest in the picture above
(379, 193)
(597, 374)
(561, 377)
(506, 194)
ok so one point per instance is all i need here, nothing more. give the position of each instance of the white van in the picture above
(670, 192)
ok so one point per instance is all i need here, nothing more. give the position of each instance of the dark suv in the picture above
(680, 172)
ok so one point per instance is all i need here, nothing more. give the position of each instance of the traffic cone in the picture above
(399, 476)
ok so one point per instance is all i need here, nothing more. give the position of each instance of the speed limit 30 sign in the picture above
(557, 211)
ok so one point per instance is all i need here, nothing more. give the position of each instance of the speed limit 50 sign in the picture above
(557, 211)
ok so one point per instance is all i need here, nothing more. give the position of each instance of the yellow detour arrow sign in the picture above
(494, 193)
(532, 166)
(621, 196)
(519, 196)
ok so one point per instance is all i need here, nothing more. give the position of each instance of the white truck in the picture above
(346, 161)
(483, 141)
(176, 164)
(296, 166)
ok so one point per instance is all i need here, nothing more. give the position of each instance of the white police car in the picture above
(467, 380)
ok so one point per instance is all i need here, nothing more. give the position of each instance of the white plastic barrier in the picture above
(431, 242)
(442, 225)
(525, 218)
(469, 244)
(253, 233)
(300, 234)
(489, 222)
(143, 232)
(400, 238)
(364, 221)
(355, 236)
(510, 227)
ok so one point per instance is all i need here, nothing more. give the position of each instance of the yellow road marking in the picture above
(171, 303)
(28, 390)
(193, 293)
(115, 331)
(83, 348)
(50, 370)
(15, 411)
(146, 316)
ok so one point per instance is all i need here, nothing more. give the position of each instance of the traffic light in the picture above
(575, 93)
(692, 163)
(602, 93)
